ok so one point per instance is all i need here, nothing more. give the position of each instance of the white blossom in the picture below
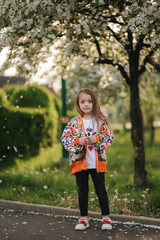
(24, 189)
(32, 22)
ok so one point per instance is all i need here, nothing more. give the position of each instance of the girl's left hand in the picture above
(92, 139)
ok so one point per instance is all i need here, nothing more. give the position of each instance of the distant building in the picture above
(20, 82)
(11, 80)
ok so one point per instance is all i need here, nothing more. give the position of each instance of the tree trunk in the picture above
(137, 135)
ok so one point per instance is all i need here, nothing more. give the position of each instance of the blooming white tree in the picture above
(106, 82)
(80, 76)
(120, 33)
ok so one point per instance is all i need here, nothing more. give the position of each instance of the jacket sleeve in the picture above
(104, 138)
(70, 137)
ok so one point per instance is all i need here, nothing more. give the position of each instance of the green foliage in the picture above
(9, 90)
(3, 100)
(31, 96)
(28, 127)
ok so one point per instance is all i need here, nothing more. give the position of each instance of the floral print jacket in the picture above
(73, 131)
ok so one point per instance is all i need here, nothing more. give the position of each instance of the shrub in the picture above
(31, 96)
(25, 129)
(9, 90)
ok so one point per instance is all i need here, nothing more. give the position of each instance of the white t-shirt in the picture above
(90, 126)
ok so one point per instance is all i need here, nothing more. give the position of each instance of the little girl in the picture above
(86, 137)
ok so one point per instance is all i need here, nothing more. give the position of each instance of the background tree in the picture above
(120, 33)
(106, 82)
(150, 95)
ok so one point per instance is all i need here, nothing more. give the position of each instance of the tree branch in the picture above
(146, 45)
(113, 19)
(111, 62)
(143, 67)
(117, 37)
(140, 44)
(120, 68)
(98, 47)
(124, 74)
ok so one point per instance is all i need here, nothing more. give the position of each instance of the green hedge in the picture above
(26, 125)
(9, 90)
(31, 96)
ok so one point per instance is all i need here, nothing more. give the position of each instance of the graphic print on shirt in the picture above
(90, 127)
(89, 132)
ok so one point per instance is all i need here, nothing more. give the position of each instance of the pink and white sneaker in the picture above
(82, 224)
(106, 224)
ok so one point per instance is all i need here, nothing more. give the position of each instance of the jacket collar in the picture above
(81, 118)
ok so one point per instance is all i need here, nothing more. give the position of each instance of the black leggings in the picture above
(83, 188)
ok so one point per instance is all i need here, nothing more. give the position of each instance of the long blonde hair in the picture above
(97, 112)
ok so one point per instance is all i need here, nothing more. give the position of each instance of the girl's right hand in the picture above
(82, 141)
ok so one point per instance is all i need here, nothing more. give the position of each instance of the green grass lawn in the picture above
(45, 179)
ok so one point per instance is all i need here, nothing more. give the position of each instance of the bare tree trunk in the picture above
(137, 136)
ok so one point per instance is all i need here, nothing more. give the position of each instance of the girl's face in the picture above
(86, 104)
